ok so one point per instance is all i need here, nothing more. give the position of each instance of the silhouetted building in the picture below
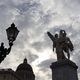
(23, 72)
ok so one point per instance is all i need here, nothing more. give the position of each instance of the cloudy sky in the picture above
(34, 18)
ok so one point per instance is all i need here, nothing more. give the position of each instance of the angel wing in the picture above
(70, 45)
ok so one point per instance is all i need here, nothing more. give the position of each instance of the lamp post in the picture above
(12, 33)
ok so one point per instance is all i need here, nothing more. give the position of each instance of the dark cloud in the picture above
(28, 6)
(46, 64)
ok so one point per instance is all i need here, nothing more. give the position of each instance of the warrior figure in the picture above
(62, 44)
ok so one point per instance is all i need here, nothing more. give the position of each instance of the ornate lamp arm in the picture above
(9, 49)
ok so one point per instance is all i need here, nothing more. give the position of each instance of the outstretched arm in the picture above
(50, 36)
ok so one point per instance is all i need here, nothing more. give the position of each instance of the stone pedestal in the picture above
(64, 70)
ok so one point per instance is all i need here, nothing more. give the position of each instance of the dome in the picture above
(24, 66)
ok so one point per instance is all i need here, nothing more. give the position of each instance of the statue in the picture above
(62, 44)
(4, 51)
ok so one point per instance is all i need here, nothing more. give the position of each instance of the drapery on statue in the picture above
(62, 44)
(4, 51)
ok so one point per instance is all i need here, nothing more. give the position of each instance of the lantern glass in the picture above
(12, 32)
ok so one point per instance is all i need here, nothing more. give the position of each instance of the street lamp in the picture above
(12, 33)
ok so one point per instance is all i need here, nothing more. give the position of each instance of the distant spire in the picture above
(25, 60)
(12, 25)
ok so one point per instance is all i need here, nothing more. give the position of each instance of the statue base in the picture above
(64, 70)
